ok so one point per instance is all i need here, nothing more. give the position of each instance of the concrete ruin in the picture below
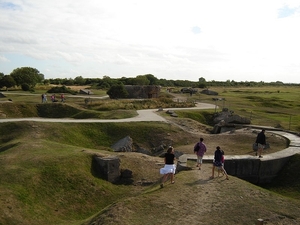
(123, 145)
(107, 168)
(85, 92)
(251, 168)
(209, 92)
(142, 91)
(226, 121)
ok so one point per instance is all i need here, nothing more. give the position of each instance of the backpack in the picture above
(197, 147)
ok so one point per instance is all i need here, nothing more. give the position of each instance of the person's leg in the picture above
(224, 171)
(172, 178)
(260, 148)
(213, 172)
(199, 162)
(163, 180)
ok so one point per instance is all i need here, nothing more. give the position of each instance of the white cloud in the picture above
(3, 59)
(172, 39)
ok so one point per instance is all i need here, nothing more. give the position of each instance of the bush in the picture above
(61, 89)
(117, 91)
(25, 87)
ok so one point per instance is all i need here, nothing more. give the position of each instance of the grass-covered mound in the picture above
(47, 178)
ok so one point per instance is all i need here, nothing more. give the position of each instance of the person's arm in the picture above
(197, 144)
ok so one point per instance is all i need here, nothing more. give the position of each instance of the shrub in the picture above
(61, 89)
(25, 87)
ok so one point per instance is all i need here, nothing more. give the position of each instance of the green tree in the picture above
(153, 80)
(107, 82)
(7, 81)
(79, 80)
(202, 83)
(28, 75)
(117, 91)
(142, 80)
(67, 82)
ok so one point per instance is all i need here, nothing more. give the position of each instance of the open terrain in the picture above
(195, 199)
(46, 177)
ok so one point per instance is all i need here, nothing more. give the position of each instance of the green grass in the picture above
(45, 168)
(46, 171)
(268, 106)
(53, 183)
(201, 116)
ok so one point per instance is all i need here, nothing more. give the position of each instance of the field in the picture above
(268, 106)
(46, 175)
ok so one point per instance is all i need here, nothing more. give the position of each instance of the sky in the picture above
(257, 40)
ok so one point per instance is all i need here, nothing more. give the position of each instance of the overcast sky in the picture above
(253, 40)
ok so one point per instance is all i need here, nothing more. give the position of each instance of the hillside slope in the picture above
(196, 199)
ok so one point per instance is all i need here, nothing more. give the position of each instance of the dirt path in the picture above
(195, 199)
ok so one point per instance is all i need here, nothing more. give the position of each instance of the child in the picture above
(219, 156)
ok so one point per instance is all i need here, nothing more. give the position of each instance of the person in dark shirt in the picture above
(218, 162)
(261, 142)
(169, 169)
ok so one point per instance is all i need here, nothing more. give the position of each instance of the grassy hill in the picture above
(47, 178)
(46, 174)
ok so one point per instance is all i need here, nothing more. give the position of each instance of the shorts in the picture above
(260, 146)
(199, 159)
(218, 164)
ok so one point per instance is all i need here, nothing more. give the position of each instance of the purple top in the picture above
(202, 148)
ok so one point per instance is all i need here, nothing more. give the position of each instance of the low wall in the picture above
(251, 168)
(255, 170)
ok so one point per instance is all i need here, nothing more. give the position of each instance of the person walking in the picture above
(53, 98)
(44, 98)
(260, 142)
(62, 98)
(218, 158)
(199, 150)
(170, 168)
(222, 161)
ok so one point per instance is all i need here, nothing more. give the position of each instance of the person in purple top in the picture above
(199, 150)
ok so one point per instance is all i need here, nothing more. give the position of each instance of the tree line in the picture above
(27, 78)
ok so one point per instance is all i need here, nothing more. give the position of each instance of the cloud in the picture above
(196, 30)
(3, 59)
(218, 40)
(286, 12)
(9, 6)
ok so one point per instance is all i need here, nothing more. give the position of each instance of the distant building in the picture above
(143, 91)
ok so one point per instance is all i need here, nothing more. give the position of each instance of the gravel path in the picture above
(143, 115)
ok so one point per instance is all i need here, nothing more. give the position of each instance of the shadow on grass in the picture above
(6, 147)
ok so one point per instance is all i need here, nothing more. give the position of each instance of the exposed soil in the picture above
(236, 142)
(195, 198)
